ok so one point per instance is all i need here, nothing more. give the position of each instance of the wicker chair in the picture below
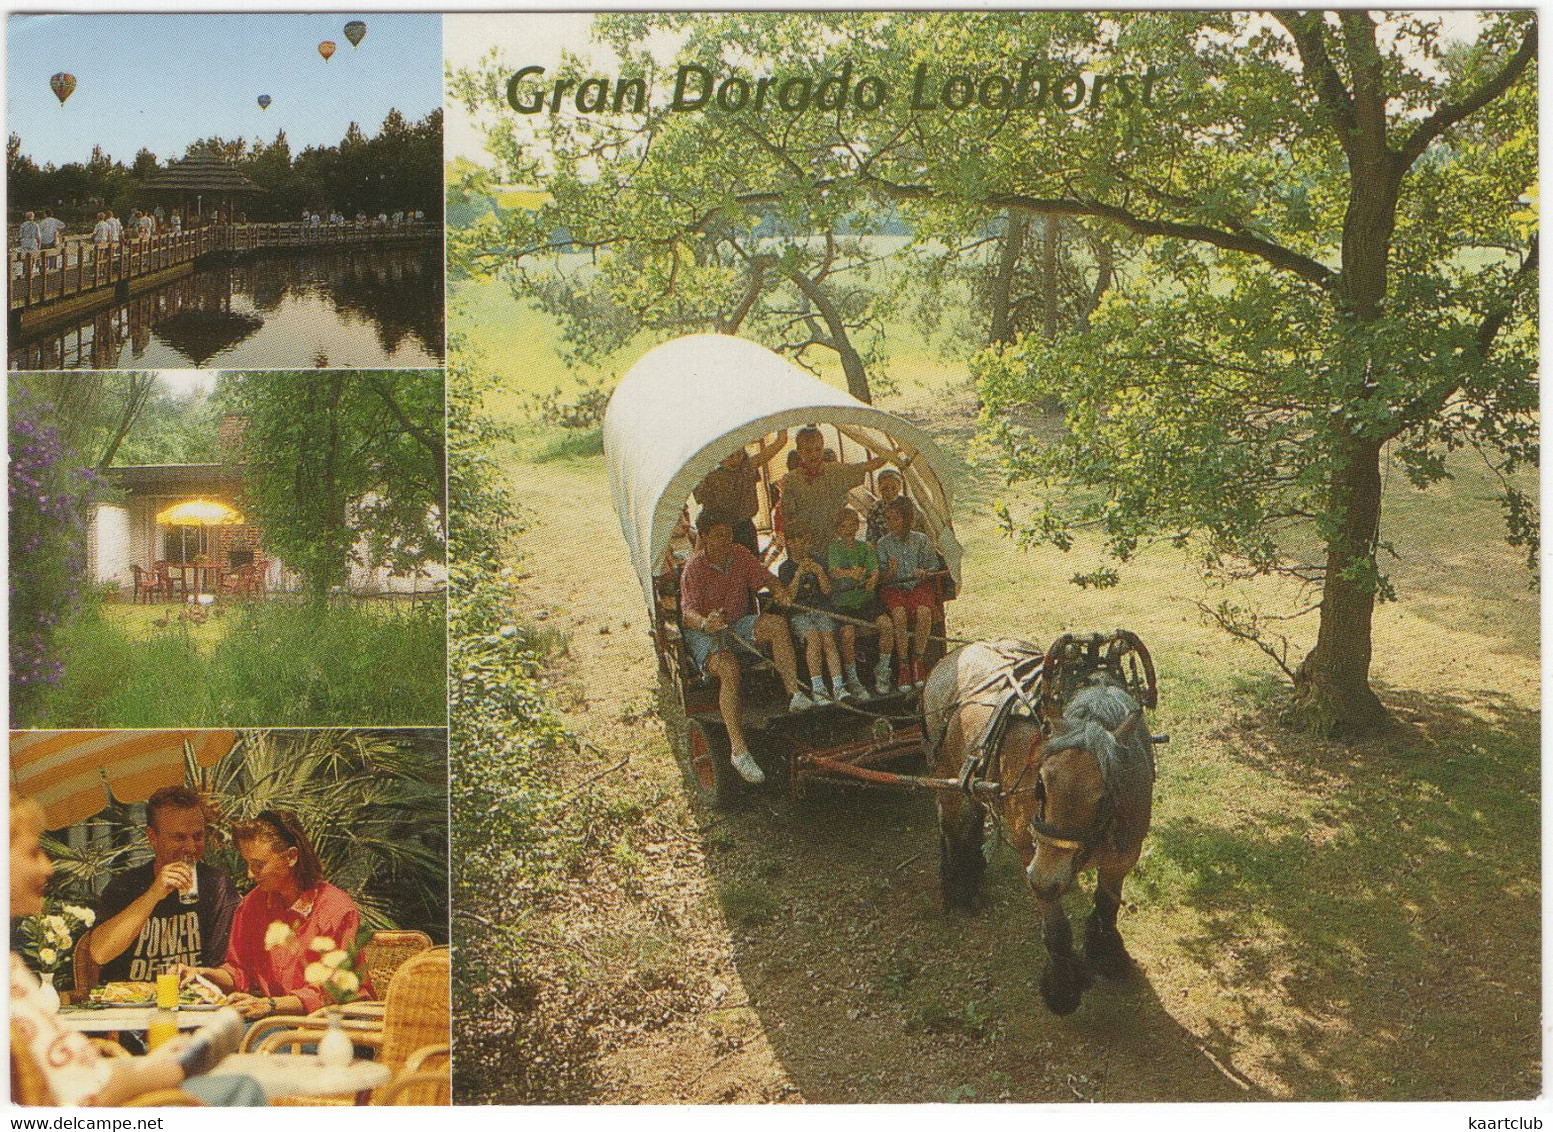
(417, 1016)
(425, 1080)
(387, 951)
(85, 970)
(29, 1086)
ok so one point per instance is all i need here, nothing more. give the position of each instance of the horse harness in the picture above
(1021, 686)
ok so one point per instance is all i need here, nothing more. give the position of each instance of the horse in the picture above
(1071, 787)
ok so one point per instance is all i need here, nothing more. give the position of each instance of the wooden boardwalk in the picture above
(79, 274)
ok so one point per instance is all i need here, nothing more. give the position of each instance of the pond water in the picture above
(353, 308)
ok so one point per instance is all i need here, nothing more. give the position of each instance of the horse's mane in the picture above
(1088, 721)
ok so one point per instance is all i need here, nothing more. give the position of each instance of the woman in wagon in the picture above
(728, 491)
(75, 1071)
(715, 607)
(291, 918)
(812, 627)
(906, 562)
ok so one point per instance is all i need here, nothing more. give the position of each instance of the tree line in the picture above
(398, 168)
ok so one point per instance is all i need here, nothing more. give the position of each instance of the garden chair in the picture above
(164, 574)
(148, 585)
(425, 1080)
(417, 1016)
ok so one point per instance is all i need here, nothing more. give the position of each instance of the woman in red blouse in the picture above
(276, 926)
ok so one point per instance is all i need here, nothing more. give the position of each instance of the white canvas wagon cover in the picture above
(690, 402)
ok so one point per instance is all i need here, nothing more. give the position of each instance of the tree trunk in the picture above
(1333, 692)
(1049, 277)
(1001, 329)
(851, 361)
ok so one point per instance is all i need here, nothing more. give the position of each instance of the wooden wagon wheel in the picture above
(711, 772)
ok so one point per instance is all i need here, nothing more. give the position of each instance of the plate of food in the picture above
(194, 996)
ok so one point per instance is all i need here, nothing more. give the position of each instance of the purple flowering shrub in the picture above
(51, 493)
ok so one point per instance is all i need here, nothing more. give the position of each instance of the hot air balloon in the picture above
(355, 31)
(326, 49)
(63, 85)
(264, 102)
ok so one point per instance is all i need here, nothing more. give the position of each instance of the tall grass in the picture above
(275, 664)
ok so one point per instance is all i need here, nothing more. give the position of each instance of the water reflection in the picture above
(351, 308)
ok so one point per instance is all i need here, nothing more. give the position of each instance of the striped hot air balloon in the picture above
(326, 49)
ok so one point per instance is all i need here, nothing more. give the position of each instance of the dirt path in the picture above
(1303, 922)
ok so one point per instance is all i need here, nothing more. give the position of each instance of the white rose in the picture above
(322, 944)
(317, 974)
(345, 981)
(85, 915)
(47, 956)
(336, 959)
(277, 935)
(56, 925)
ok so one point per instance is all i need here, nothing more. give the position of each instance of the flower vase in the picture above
(335, 1049)
(46, 996)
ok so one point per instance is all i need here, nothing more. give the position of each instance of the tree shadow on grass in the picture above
(1379, 937)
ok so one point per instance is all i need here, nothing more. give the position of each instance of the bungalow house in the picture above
(126, 534)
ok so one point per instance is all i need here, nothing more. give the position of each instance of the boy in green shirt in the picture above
(854, 570)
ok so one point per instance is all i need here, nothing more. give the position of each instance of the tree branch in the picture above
(1448, 114)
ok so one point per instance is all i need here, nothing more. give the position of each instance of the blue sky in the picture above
(163, 81)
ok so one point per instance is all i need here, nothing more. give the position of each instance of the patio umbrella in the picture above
(198, 513)
(70, 773)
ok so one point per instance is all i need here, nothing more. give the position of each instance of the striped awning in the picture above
(69, 773)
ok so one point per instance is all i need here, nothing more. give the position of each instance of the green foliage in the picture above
(46, 941)
(343, 467)
(399, 167)
(275, 662)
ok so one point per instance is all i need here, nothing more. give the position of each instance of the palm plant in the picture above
(374, 804)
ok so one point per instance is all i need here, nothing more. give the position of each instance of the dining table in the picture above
(207, 576)
(305, 1075)
(122, 1019)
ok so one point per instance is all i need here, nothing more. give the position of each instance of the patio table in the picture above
(122, 1019)
(303, 1075)
(209, 582)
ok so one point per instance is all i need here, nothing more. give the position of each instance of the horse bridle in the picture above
(1057, 838)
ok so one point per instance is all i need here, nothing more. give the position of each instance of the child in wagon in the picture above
(815, 629)
(891, 485)
(906, 562)
(854, 572)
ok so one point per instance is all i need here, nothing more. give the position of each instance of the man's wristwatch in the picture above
(270, 1002)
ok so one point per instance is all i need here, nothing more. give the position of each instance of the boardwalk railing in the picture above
(79, 267)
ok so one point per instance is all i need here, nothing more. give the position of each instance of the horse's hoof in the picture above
(1061, 996)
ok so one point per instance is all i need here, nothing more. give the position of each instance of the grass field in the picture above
(1310, 920)
(277, 663)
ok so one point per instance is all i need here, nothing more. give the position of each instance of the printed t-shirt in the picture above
(192, 934)
(71, 1065)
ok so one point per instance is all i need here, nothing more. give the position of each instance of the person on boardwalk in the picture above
(49, 229)
(728, 491)
(115, 228)
(102, 232)
(29, 240)
(715, 590)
